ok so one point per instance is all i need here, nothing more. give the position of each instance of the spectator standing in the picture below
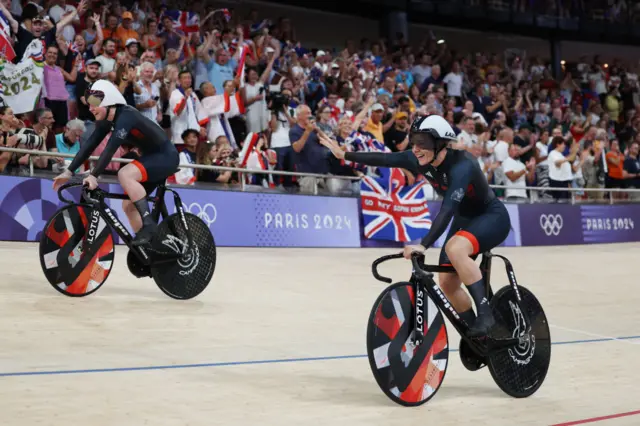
(257, 114)
(147, 100)
(35, 28)
(517, 175)
(560, 175)
(467, 137)
(108, 59)
(542, 168)
(185, 109)
(397, 137)
(311, 157)
(525, 142)
(454, 80)
(125, 32)
(58, 11)
(223, 68)
(83, 81)
(374, 124)
(281, 124)
(422, 70)
(54, 87)
(615, 167)
(632, 170)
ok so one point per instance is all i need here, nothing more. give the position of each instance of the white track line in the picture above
(586, 333)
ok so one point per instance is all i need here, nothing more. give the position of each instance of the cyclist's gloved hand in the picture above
(413, 249)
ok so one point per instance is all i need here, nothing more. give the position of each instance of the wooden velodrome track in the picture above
(278, 338)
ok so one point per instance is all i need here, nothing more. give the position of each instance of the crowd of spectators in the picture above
(524, 127)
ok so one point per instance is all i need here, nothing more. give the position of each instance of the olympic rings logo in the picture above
(551, 224)
(207, 213)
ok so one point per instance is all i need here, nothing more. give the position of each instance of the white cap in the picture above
(320, 53)
(377, 107)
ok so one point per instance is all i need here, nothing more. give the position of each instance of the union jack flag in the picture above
(187, 22)
(6, 48)
(393, 211)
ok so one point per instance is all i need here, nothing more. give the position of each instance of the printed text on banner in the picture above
(393, 211)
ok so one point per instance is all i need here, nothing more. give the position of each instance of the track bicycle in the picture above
(77, 246)
(408, 345)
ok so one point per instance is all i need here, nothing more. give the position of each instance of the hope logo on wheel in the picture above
(551, 224)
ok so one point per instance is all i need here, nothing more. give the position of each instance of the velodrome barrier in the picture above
(245, 219)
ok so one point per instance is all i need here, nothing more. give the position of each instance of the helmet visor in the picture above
(423, 140)
(94, 97)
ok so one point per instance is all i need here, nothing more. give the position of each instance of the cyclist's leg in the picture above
(132, 214)
(483, 233)
(131, 178)
(450, 282)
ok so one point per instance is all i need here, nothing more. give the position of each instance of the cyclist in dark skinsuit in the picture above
(127, 125)
(480, 221)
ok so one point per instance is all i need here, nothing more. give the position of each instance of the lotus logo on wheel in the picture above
(206, 212)
(551, 224)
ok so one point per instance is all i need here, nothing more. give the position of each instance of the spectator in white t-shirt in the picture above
(560, 173)
(500, 151)
(517, 175)
(62, 9)
(467, 137)
(453, 80)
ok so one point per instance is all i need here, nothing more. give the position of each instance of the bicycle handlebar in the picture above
(67, 186)
(416, 259)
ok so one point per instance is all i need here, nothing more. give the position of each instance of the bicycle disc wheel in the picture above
(76, 250)
(407, 374)
(190, 274)
(521, 370)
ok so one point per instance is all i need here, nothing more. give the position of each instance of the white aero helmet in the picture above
(104, 93)
(431, 132)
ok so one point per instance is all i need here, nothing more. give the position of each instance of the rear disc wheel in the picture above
(520, 370)
(189, 275)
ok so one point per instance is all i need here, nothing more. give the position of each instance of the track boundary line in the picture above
(255, 362)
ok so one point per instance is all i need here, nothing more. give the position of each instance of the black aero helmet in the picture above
(431, 132)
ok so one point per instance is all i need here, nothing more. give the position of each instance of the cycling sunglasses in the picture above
(94, 97)
(423, 140)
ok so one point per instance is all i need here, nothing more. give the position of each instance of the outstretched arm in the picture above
(102, 129)
(401, 160)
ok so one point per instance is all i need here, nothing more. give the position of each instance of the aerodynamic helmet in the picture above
(104, 93)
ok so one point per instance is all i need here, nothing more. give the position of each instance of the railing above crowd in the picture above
(576, 195)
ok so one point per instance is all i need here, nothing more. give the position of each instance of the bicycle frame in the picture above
(423, 280)
(96, 199)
